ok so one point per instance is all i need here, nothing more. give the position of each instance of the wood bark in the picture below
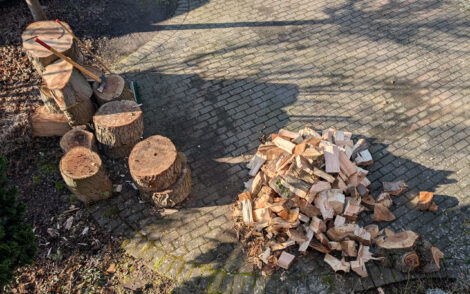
(47, 124)
(84, 175)
(154, 165)
(177, 192)
(48, 99)
(55, 36)
(70, 91)
(36, 10)
(118, 127)
(78, 137)
(115, 88)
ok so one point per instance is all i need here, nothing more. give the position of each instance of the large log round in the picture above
(78, 136)
(115, 88)
(154, 165)
(177, 192)
(55, 36)
(70, 91)
(118, 127)
(84, 175)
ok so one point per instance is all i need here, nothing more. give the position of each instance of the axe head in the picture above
(102, 84)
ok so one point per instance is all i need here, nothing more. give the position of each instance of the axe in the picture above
(101, 80)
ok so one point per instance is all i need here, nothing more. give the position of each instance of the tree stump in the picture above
(118, 127)
(47, 124)
(71, 92)
(114, 89)
(177, 192)
(155, 165)
(48, 99)
(78, 136)
(55, 36)
(84, 175)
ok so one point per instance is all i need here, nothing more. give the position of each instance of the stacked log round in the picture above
(71, 92)
(55, 36)
(160, 172)
(84, 175)
(78, 136)
(114, 89)
(118, 127)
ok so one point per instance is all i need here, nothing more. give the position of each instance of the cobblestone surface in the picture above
(222, 73)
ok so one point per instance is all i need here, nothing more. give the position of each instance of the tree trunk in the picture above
(154, 165)
(118, 126)
(47, 124)
(78, 136)
(114, 89)
(84, 175)
(71, 92)
(55, 36)
(36, 10)
(177, 192)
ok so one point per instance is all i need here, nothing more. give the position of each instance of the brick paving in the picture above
(220, 74)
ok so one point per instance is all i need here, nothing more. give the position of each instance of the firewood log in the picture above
(55, 36)
(78, 137)
(115, 88)
(47, 124)
(118, 126)
(84, 175)
(71, 92)
(48, 99)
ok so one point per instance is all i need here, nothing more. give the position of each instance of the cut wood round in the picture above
(47, 124)
(115, 88)
(402, 240)
(48, 99)
(55, 36)
(71, 92)
(154, 165)
(78, 137)
(177, 192)
(118, 126)
(84, 175)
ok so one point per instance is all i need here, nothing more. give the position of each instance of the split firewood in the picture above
(85, 176)
(284, 145)
(303, 218)
(321, 202)
(364, 254)
(317, 225)
(297, 236)
(265, 255)
(308, 132)
(313, 155)
(364, 158)
(285, 260)
(114, 89)
(119, 125)
(276, 184)
(352, 208)
(47, 124)
(360, 145)
(294, 136)
(346, 166)
(394, 188)
(78, 137)
(425, 201)
(336, 200)
(340, 184)
(255, 164)
(336, 264)
(341, 232)
(368, 201)
(265, 196)
(333, 245)
(382, 214)
(339, 221)
(331, 154)
(358, 266)
(296, 186)
(433, 261)
(55, 36)
(349, 248)
(323, 239)
(308, 209)
(283, 245)
(317, 188)
(247, 212)
(262, 215)
(373, 230)
(328, 135)
(315, 244)
(361, 235)
(385, 200)
(279, 223)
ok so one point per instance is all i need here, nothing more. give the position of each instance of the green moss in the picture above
(36, 179)
(48, 168)
(330, 281)
(111, 211)
(59, 186)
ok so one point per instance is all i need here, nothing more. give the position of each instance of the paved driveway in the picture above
(220, 74)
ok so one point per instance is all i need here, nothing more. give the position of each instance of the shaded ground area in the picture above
(391, 71)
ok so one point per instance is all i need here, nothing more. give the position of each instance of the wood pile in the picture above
(84, 111)
(307, 190)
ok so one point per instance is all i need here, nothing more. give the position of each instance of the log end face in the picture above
(80, 163)
(116, 114)
(51, 33)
